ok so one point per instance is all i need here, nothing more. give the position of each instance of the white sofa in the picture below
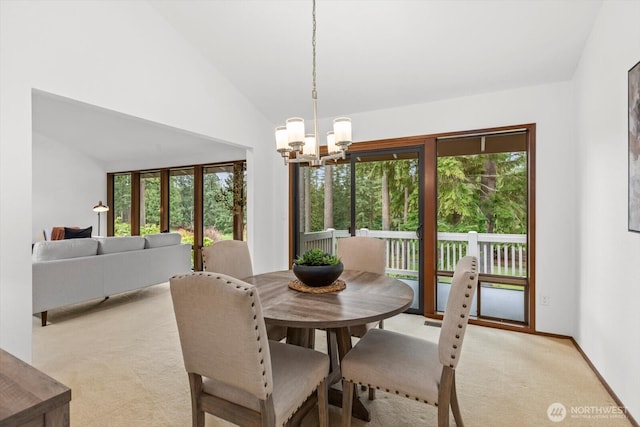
(76, 270)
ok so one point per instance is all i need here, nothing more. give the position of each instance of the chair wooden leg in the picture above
(347, 402)
(372, 391)
(332, 349)
(197, 414)
(444, 396)
(323, 404)
(455, 408)
(268, 412)
(43, 318)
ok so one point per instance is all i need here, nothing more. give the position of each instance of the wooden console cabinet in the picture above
(30, 398)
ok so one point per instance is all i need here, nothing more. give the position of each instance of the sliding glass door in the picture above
(482, 192)
(376, 194)
(433, 200)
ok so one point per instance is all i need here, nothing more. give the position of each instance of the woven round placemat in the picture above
(336, 286)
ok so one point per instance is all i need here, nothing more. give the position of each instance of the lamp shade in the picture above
(309, 148)
(331, 143)
(100, 207)
(295, 131)
(342, 130)
(282, 142)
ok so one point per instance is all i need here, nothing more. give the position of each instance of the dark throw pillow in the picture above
(77, 233)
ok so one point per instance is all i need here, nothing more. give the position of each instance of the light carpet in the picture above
(122, 359)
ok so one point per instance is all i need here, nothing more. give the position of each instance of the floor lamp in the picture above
(99, 208)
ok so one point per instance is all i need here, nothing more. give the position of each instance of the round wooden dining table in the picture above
(368, 297)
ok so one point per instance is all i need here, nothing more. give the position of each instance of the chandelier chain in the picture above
(314, 92)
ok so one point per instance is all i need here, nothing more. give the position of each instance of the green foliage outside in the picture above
(484, 193)
(124, 228)
(317, 257)
(402, 184)
(217, 204)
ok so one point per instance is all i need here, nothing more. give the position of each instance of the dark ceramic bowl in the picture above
(317, 275)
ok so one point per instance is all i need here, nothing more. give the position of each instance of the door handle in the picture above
(419, 232)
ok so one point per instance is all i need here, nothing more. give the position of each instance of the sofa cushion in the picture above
(77, 233)
(162, 239)
(110, 245)
(64, 249)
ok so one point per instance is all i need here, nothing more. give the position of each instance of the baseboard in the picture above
(605, 384)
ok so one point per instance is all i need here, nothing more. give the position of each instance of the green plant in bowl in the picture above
(317, 257)
(317, 268)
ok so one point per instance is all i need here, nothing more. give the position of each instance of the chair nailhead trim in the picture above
(417, 399)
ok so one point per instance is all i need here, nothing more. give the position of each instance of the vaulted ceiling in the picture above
(377, 54)
(371, 55)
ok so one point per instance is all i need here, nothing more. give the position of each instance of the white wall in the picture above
(609, 291)
(549, 107)
(66, 186)
(122, 56)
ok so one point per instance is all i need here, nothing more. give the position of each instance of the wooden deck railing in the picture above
(500, 254)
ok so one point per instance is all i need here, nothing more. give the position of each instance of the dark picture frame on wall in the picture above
(634, 148)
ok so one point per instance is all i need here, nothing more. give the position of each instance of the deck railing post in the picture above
(333, 240)
(472, 243)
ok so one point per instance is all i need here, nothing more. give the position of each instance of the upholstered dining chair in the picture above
(235, 372)
(232, 257)
(364, 254)
(412, 367)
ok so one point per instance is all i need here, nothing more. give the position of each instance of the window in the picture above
(121, 204)
(181, 202)
(149, 203)
(204, 203)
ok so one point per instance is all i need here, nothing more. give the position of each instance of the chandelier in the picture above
(292, 138)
